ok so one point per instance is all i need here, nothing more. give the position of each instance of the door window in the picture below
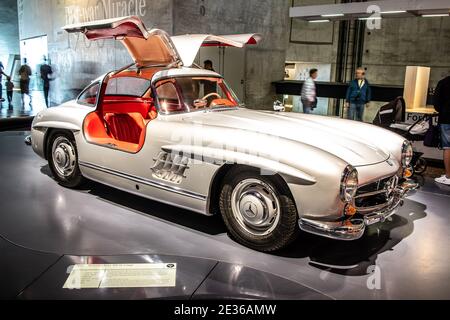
(89, 96)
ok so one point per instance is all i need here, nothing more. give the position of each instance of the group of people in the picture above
(358, 94)
(25, 74)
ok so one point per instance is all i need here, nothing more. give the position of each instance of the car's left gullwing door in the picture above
(146, 47)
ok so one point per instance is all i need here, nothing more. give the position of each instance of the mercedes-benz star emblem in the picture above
(251, 211)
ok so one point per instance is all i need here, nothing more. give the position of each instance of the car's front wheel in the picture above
(258, 211)
(62, 158)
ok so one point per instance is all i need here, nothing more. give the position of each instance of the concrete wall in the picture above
(316, 43)
(265, 62)
(387, 51)
(400, 42)
(408, 41)
(77, 61)
(9, 31)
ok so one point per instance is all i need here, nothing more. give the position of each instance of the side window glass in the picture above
(168, 98)
(89, 95)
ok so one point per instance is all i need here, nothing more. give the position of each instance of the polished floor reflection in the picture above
(19, 110)
(406, 257)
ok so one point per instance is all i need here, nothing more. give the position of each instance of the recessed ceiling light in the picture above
(393, 12)
(370, 18)
(435, 15)
(332, 15)
(319, 21)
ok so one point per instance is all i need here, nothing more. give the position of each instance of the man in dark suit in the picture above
(442, 105)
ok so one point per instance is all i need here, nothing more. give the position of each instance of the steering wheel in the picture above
(211, 95)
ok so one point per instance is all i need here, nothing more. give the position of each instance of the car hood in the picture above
(342, 138)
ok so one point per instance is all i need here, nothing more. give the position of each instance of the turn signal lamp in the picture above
(350, 210)
(407, 173)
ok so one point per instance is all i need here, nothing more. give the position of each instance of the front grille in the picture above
(376, 195)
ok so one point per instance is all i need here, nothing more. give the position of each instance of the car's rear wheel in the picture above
(258, 211)
(62, 158)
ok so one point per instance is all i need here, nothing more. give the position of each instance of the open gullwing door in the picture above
(156, 47)
(146, 47)
(188, 45)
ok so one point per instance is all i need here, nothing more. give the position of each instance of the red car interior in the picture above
(120, 122)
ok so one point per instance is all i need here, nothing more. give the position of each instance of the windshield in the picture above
(189, 94)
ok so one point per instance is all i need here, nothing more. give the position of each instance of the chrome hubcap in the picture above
(255, 206)
(64, 158)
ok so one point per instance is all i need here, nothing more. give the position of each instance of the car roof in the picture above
(183, 72)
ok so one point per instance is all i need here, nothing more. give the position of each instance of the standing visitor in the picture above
(1, 87)
(46, 71)
(9, 91)
(25, 73)
(358, 95)
(442, 105)
(309, 95)
(209, 86)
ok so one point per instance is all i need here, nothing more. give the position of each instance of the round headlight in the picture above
(349, 184)
(407, 153)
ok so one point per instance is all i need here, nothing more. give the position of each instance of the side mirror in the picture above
(278, 106)
(28, 140)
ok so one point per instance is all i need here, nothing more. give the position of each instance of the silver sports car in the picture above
(167, 130)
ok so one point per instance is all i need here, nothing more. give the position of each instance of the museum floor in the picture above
(45, 228)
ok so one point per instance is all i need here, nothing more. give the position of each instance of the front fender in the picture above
(222, 156)
(57, 125)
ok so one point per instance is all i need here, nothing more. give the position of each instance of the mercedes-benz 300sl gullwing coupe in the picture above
(165, 129)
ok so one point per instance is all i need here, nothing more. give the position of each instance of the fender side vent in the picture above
(170, 167)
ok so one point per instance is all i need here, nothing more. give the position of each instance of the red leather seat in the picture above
(126, 127)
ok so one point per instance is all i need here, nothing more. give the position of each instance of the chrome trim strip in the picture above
(334, 230)
(369, 194)
(353, 229)
(144, 181)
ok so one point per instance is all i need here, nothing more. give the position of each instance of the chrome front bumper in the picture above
(353, 229)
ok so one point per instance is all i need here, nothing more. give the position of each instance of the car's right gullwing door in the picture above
(188, 45)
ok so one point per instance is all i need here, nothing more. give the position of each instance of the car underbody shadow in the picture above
(355, 257)
(212, 225)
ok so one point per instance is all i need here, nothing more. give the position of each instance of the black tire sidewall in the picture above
(287, 228)
(76, 178)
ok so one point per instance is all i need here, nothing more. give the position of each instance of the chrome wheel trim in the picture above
(63, 156)
(255, 207)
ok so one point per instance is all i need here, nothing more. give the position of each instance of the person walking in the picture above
(25, 73)
(9, 91)
(46, 71)
(442, 105)
(358, 95)
(309, 95)
(2, 73)
(209, 86)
